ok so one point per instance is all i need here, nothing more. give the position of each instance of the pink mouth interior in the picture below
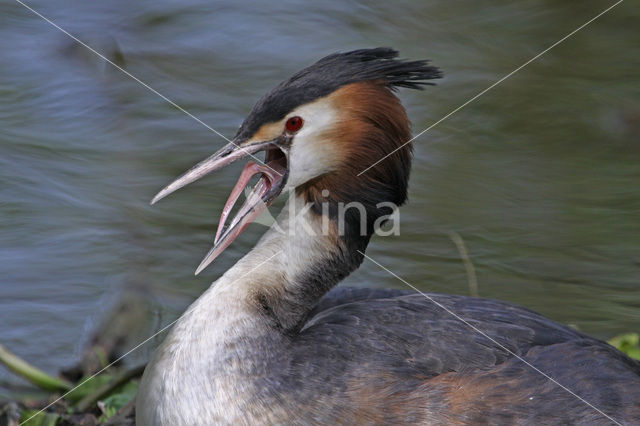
(273, 173)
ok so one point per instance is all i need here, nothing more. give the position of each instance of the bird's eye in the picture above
(294, 124)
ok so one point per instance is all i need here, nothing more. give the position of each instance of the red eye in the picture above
(294, 124)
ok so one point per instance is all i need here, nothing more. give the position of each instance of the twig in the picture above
(464, 255)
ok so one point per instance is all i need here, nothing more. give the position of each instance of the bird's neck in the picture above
(238, 331)
(293, 265)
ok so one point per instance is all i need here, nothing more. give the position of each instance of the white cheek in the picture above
(308, 161)
(311, 153)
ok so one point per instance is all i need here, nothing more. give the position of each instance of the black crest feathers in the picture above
(338, 69)
(332, 72)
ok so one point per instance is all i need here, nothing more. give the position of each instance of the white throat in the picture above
(203, 371)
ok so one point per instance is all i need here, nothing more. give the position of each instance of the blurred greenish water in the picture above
(539, 176)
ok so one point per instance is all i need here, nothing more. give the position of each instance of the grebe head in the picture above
(320, 129)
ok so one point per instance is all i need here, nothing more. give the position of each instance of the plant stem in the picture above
(31, 373)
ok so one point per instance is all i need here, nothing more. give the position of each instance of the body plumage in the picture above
(271, 343)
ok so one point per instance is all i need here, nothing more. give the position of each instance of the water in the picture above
(539, 176)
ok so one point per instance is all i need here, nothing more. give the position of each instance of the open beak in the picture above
(274, 176)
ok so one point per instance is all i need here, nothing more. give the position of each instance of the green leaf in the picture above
(88, 387)
(35, 418)
(628, 343)
(117, 400)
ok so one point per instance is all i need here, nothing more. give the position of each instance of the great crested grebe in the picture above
(268, 343)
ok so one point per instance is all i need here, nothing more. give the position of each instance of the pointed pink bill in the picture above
(249, 171)
(226, 155)
(266, 190)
